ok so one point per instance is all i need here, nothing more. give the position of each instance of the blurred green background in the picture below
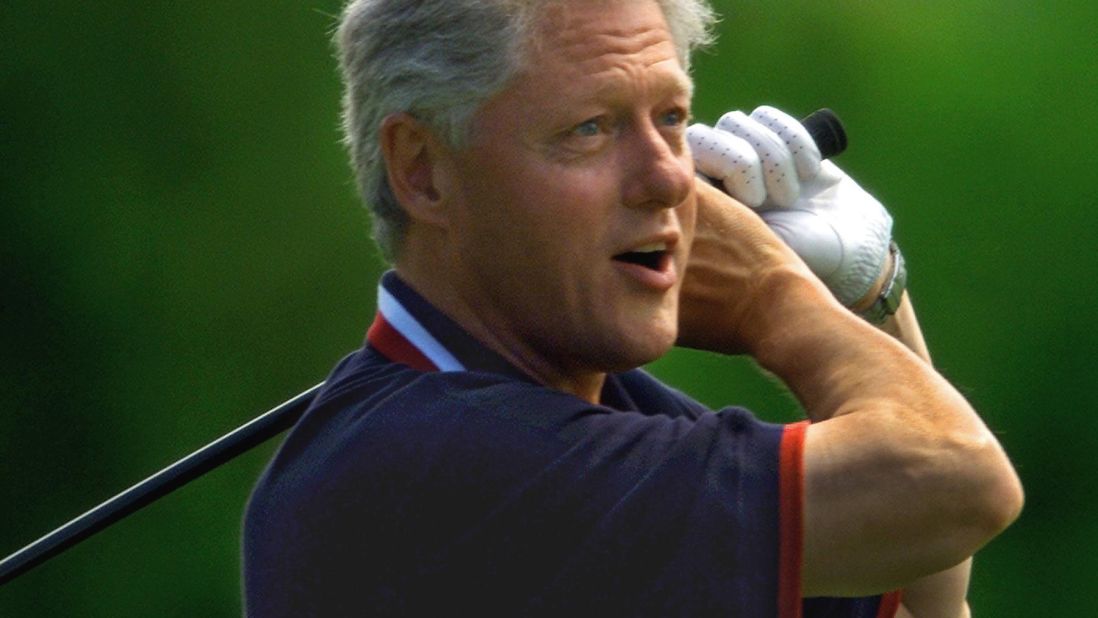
(183, 249)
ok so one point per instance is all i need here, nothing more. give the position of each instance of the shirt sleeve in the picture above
(664, 400)
(881, 606)
(791, 515)
(791, 535)
(668, 515)
(501, 498)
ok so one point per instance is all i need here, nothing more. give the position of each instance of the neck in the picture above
(433, 278)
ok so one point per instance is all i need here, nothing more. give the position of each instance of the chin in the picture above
(635, 352)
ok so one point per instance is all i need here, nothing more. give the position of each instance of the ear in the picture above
(418, 167)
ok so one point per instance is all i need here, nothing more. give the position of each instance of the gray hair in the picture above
(439, 60)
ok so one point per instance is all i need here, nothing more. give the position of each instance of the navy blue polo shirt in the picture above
(429, 476)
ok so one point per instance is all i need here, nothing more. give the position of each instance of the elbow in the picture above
(994, 497)
(1004, 498)
(974, 497)
(971, 497)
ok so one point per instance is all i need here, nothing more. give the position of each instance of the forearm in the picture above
(838, 364)
(901, 478)
(893, 446)
(904, 327)
(943, 594)
(746, 291)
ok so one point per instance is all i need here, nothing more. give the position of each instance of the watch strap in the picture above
(888, 301)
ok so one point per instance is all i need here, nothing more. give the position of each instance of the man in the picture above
(492, 448)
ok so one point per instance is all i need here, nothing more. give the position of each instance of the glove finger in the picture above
(779, 172)
(810, 236)
(806, 154)
(729, 160)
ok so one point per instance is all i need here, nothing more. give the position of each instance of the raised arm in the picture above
(902, 478)
(943, 594)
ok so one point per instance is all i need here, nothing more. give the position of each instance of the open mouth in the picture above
(652, 257)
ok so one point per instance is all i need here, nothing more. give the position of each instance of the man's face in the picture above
(575, 207)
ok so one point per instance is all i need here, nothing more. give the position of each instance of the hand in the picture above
(736, 264)
(769, 162)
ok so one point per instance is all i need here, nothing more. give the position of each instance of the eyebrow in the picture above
(668, 85)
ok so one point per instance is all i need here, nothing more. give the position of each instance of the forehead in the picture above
(578, 38)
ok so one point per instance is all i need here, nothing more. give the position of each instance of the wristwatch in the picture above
(888, 301)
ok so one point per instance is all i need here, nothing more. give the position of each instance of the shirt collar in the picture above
(410, 330)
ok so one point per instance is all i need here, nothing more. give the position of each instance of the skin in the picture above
(582, 158)
(576, 162)
(941, 594)
(903, 481)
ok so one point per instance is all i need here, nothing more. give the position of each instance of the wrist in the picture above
(871, 295)
(824, 353)
(885, 295)
(794, 309)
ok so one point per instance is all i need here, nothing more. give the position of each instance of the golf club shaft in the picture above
(225, 448)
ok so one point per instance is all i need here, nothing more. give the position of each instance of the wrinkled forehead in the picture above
(575, 36)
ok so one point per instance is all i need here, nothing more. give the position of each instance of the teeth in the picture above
(650, 247)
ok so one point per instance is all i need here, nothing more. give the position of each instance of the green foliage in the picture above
(183, 248)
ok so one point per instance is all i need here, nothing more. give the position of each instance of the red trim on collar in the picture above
(394, 346)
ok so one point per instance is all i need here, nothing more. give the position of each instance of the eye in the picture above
(675, 118)
(587, 128)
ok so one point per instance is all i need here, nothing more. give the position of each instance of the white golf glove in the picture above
(769, 162)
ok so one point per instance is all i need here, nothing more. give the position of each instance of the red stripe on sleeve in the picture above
(791, 519)
(388, 340)
(890, 604)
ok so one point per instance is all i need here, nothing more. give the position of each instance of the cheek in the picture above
(514, 238)
(549, 213)
(688, 219)
(536, 211)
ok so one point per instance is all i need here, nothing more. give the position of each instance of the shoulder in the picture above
(372, 411)
(397, 464)
(653, 396)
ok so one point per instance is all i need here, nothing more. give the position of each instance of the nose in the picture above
(659, 170)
